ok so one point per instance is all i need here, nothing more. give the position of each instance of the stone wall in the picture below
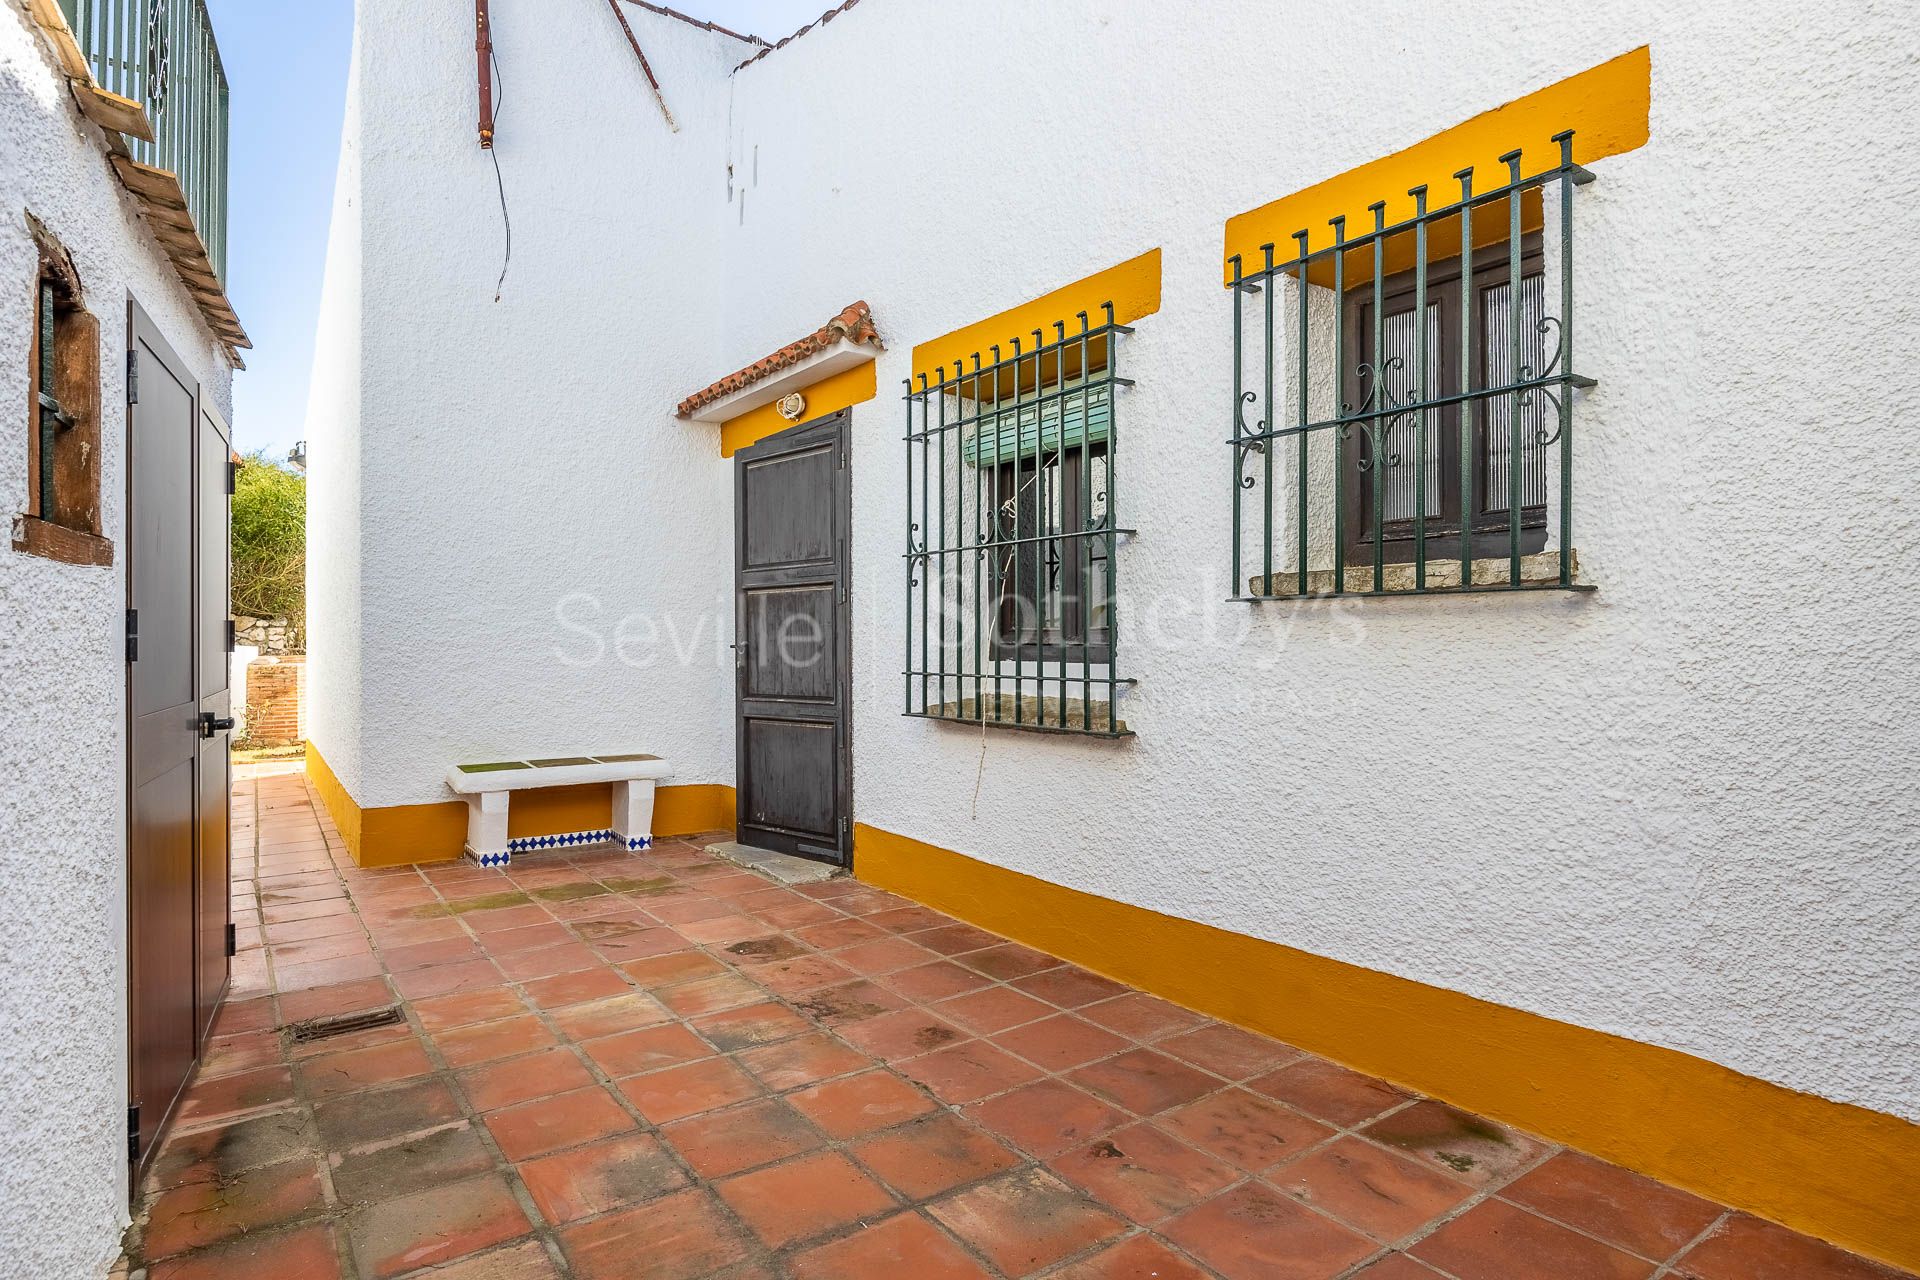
(269, 635)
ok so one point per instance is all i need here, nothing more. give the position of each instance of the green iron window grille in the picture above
(1012, 534)
(163, 55)
(1403, 455)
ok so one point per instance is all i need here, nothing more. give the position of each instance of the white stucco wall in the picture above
(1675, 810)
(510, 465)
(63, 1094)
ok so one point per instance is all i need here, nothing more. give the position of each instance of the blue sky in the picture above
(287, 68)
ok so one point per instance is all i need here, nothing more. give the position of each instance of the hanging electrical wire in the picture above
(500, 182)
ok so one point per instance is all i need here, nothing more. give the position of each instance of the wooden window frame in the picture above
(1491, 269)
(1071, 642)
(71, 532)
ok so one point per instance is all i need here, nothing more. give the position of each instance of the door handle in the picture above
(211, 724)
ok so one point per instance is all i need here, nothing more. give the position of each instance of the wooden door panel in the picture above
(792, 518)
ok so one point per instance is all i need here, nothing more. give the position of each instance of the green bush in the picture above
(270, 542)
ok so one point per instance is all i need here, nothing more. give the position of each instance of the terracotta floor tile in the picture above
(1327, 1091)
(532, 937)
(243, 1016)
(1145, 1082)
(471, 975)
(906, 1034)
(1496, 1241)
(337, 1073)
(1621, 1207)
(883, 955)
(673, 967)
(1229, 1052)
(740, 1138)
(540, 1075)
(491, 1041)
(235, 1095)
(905, 1246)
(1140, 1258)
(550, 1124)
(1025, 1221)
(804, 1198)
(198, 1214)
(525, 1261)
(467, 1007)
(648, 944)
(1144, 1173)
(861, 1104)
(488, 922)
(993, 1009)
(952, 939)
(249, 1051)
(304, 1253)
(1254, 1233)
(1008, 961)
(433, 1159)
(744, 1028)
(1482, 1152)
(1745, 1248)
(801, 1061)
(689, 1089)
(968, 1072)
(1070, 987)
(648, 1049)
(1047, 1117)
(615, 1174)
(933, 1155)
(1141, 1016)
(424, 955)
(908, 920)
(1397, 1266)
(798, 976)
(576, 988)
(1061, 1042)
(718, 930)
(611, 1016)
(709, 995)
(839, 933)
(685, 1236)
(1369, 1188)
(545, 962)
(220, 1153)
(849, 1003)
(1245, 1129)
(440, 1225)
(936, 981)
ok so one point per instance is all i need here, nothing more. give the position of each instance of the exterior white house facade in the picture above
(86, 259)
(1630, 858)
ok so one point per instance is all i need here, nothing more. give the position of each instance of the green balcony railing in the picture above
(162, 55)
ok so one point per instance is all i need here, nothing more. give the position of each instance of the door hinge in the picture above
(133, 635)
(133, 1134)
(230, 635)
(233, 941)
(233, 477)
(133, 377)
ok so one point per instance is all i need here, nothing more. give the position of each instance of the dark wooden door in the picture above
(213, 905)
(176, 629)
(792, 516)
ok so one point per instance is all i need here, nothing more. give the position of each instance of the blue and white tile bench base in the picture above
(568, 840)
(488, 843)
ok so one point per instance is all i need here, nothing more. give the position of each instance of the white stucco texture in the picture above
(1676, 810)
(63, 1094)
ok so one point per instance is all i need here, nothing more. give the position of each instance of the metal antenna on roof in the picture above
(645, 67)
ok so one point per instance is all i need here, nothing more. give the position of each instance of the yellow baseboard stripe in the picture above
(1838, 1172)
(399, 835)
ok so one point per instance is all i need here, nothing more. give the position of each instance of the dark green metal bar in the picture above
(940, 447)
(1071, 544)
(1565, 141)
(1002, 571)
(986, 610)
(49, 406)
(1113, 524)
(1267, 448)
(1514, 232)
(926, 544)
(1420, 388)
(1300, 482)
(1465, 424)
(907, 693)
(1233, 457)
(1340, 408)
(1379, 430)
(1086, 505)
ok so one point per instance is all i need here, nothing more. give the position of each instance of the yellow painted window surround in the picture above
(1607, 107)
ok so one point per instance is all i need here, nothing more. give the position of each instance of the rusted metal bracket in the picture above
(483, 47)
(646, 68)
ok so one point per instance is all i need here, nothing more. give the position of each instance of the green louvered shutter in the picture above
(1061, 420)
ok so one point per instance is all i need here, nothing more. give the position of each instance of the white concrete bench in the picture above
(485, 787)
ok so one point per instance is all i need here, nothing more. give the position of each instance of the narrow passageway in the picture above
(611, 1066)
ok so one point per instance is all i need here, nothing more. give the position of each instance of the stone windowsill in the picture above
(1539, 570)
(1035, 715)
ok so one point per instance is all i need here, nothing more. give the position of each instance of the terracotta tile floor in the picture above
(660, 1066)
